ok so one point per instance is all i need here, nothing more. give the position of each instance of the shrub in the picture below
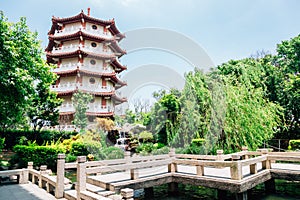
(159, 145)
(79, 149)
(163, 150)
(113, 153)
(145, 147)
(39, 155)
(196, 147)
(145, 136)
(14, 137)
(294, 144)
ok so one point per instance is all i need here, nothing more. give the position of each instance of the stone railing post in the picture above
(59, 187)
(236, 168)
(81, 175)
(127, 193)
(42, 172)
(266, 164)
(245, 150)
(30, 165)
(220, 154)
(172, 167)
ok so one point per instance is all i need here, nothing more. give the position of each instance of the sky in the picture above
(228, 29)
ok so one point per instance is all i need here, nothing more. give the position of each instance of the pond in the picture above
(285, 190)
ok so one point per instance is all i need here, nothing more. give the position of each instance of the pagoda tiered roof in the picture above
(96, 38)
(82, 16)
(77, 52)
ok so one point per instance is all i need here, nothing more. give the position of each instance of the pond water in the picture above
(285, 190)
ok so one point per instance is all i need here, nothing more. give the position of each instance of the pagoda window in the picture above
(92, 81)
(93, 62)
(94, 27)
(93, 44)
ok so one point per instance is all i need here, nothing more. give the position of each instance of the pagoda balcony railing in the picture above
(67, 107)
(92, 107)
(98, 108)
(63, 87)
(85, 66)
(86, 48)
(74, 29)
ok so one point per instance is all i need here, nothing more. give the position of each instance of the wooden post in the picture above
(236, 168)
(60, 170)
(127, 157)
(172, 167)
(81, 175)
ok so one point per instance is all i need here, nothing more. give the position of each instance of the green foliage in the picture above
(198, 141)
(112, 153)
(159, 151)
(145, 148)
(13, 137)
(39, 155)
(80, 101)
(164, 118)
(79, 149)
(294, 144)
(25, 78)
(145, 136)
(2, 142)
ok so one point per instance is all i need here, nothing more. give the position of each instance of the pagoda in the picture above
(86, 53)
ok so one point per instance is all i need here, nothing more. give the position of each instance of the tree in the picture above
(22, 72)
(80, 101)
(43, 109)
(164, 118)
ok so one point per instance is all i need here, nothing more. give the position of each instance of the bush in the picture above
(145, 147)
(79, 149)
(113, 153)
(294, 145)
(163, 150)
(14, 137)
(145, 136)
(196, 147)
(39, 155)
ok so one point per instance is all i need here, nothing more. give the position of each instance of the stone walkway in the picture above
(23, 191)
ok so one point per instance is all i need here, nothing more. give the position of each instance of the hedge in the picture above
(39, 155)
(14, 137)
(294, 144)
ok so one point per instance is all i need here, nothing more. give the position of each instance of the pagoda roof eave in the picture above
(71, 54)
(110, 23)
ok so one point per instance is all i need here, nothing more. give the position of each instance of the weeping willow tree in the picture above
(228, 111)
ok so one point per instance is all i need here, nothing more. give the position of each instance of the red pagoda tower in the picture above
(86, 52)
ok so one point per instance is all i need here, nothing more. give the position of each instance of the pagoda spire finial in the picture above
(89, 11)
